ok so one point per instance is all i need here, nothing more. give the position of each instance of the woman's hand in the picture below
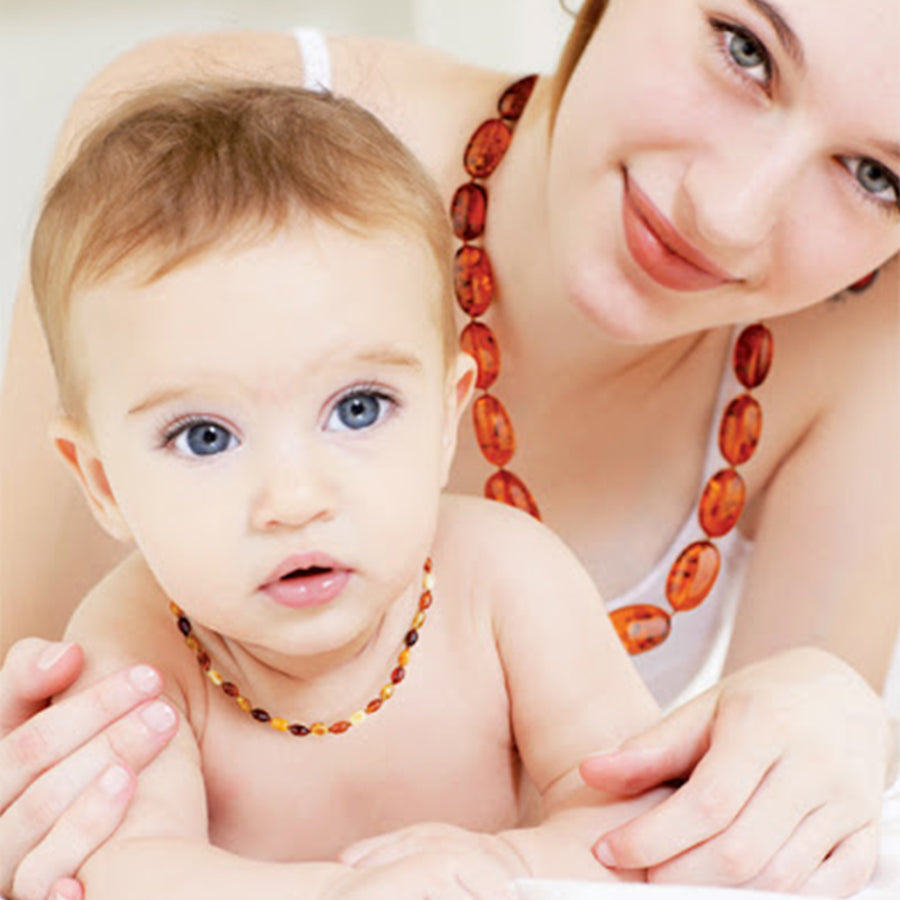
(67, 772)
(785, 764)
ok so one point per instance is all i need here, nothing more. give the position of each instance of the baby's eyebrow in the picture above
(786, 35)
(167, 395)
(388, 356)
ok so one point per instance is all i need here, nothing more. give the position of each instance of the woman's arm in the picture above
(787, 758)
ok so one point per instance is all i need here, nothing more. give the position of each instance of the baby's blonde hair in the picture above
(181, 168)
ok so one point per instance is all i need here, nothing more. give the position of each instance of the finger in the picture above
(783, 811)
(720, 786)
(848, 868)
(57, 731)
(34, 670)
(66, 889)
(132, 741)
(91, 819)
(797, 860)
(666, 751)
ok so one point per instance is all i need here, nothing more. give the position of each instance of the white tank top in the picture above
(691, 659)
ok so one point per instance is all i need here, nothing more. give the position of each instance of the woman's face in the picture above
(715, 161)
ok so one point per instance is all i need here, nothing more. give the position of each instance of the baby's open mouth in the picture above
(305, 573)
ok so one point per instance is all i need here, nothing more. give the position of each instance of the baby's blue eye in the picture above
(361, 409)
(203, 439)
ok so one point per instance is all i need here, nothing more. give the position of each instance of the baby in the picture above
(246, 294)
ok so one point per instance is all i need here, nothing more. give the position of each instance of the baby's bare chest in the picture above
(440, 750)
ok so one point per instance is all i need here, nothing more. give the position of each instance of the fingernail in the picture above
(144, 678)
(603, 853)
(114, 781)
(52, 655)
(159, 717)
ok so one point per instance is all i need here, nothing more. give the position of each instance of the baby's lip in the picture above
(308, 563)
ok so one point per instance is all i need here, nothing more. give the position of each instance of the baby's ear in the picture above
(460, 387)
(76, 449)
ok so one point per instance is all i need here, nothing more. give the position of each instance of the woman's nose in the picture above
(294, 489)
(738, 190)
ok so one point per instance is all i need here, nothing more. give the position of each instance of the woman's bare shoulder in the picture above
(848, 343)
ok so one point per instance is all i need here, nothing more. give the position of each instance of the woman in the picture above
(688, 168)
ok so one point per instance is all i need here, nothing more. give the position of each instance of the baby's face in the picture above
(275, 425)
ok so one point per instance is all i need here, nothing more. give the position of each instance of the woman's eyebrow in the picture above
(786, 34)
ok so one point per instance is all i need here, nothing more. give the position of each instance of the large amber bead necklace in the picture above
(692, 576)
(318, 728)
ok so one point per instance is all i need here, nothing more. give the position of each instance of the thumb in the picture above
(667, 751)
(66, 889)
(33, 672)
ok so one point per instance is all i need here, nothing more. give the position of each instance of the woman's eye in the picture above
(361, 409)
(746, 51)
(202, 439)
(875, 179)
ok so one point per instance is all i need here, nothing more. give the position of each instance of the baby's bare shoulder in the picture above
(125, 620)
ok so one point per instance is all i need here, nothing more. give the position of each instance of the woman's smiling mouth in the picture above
(661, 251)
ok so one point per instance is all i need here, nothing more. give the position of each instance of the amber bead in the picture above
(204, 660)
(468, 211)
(479, 342)
(512, 101)
(357, 717)
(486, 148)
(692, 576)
(863, 283)
(473, 280)
(411, 637)
(215, 677)
(387, 692)
(753, 351)
(740, 429)
(398, 675)
(722, 502)
(260, 715)
(373, 706)
(231, 689)
(319, 728)
(507, 488)
(175, 609)
(243, 703)
(425, 600)
(192, 643)
(298, 730)
(339, 727)
(494, 430)
(184, 626)
(417, 622)
(641, 627)
(403, 657)
(279, 724)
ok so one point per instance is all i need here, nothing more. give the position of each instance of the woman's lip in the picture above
(305, 591)
(660, 249)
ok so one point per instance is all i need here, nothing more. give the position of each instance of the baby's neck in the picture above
(324, 686)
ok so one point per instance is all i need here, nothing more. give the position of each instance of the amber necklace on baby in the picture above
(230, 688)
(640, 626)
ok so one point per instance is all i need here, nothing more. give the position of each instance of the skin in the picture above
(291, 476)
(820, 485)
